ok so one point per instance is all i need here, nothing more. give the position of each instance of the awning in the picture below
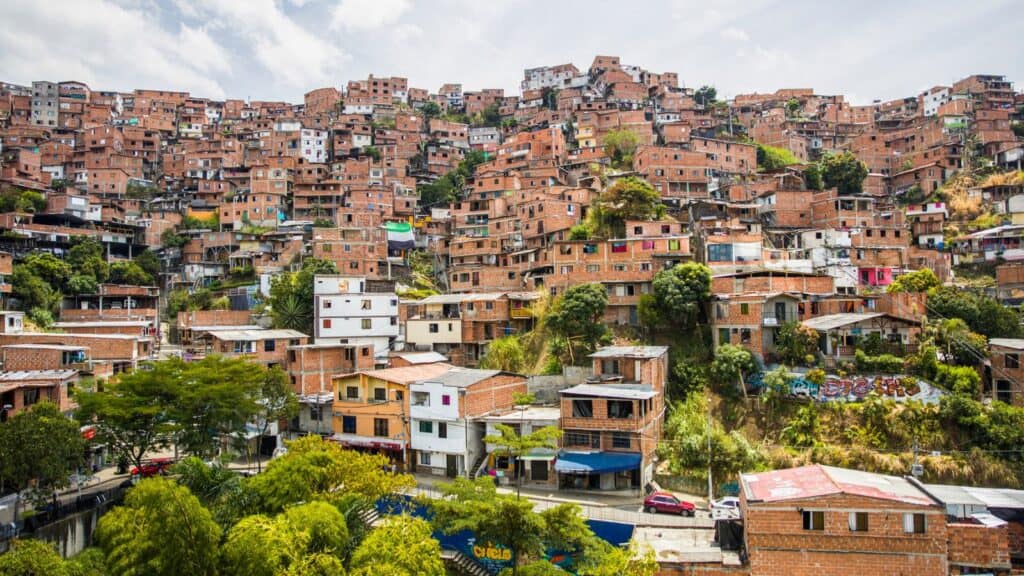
(596, 462)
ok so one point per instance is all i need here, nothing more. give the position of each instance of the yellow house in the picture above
(371, 408)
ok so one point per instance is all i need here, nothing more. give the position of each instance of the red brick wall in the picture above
(492, 394)
(979, 546)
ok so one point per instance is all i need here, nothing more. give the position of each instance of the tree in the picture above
(39, 449)
(259, 545)
(681, 292)
(34, 293)
(983, 314)
(291, 295)
(576, 317)
(921, 280)
(314, 468)
(629, 198)
(214, 398)
(688, 377)
(86, 259)
(796, 342)
(771, 158)
(129, 273)
(132, 412)
(48, 267)
(619, 146)
(33, 558)
(505, 353)
(730, 364)
(373, 152)
(171, 239)
(812, 177)
(277, 402)
(792, 108)
(83, 284)
(844, 172)
(149, 263)
(685, 444)
(161, 530)
(775, 388)
(401, 546)
(430, 110)
(705, 95)
(960, 344)
(496, 519)
(514, 445)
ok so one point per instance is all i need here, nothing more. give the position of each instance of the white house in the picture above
(350, 310)
(314, 145)
(538, 465)
(444, 417)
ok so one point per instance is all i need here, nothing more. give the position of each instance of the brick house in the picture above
(822, 520)
(612, 423)
(311, 368)
(371, 409)
(1006, 370)
(841, 333)
(459, 326)
(20, 390)
(444, 410)
(268, 347)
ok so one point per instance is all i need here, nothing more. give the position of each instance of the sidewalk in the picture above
(604, 499)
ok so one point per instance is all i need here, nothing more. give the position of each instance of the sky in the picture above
(281, 49)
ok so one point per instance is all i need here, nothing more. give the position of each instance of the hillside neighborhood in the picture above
(790, 319)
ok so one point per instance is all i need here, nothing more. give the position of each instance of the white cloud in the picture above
(293, 55)
(733, 33)
(107, 45)
(367, 14)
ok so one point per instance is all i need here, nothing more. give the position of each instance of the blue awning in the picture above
(596, 462)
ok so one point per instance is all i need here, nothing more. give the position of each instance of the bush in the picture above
(958, 379)
(881, 364)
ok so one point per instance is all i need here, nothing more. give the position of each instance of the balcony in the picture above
(521, 313)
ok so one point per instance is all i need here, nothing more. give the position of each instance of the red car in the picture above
(667, 503)
(154, 467)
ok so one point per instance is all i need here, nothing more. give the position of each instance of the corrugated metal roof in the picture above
(833, 321)
(1015, 343)
(104, 323)
(461, 377)
(816, 480)
(261, 334)
(45, 347)
(23, 375)
(630, 352)
(607, 391)
(404, 374)
(422, 357)
(459, 298)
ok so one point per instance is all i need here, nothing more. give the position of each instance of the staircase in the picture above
(463, 564)
(369, 515)
(478, 466)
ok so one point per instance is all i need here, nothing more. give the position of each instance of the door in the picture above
(780, 311)
(451, 468)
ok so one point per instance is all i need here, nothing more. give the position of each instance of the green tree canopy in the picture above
(314, 468)
(86, 258)
(629, 198)
(291, 295)
(705, 95)
(921, 280)
(844, 172)
(505, 353)
(685, 444)
(681, 292)
(32, 557)
(731, 364)
(400, 546)
(161, 530)
(796, 342)
(771, 158)
(983, 314)
(620, 145)
(812, 177)
(577, 317)
(129, 273)
(39, 449)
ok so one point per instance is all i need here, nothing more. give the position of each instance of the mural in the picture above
(855, 388)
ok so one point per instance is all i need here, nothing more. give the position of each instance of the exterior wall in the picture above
(418, 332)
(312, 368)
(778, 545)
(976, 546)
(365, 409)
(435, 412)
(1007, 367)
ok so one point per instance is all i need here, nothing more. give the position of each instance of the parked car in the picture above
(154, 467)
(667, 503)
(727, 503)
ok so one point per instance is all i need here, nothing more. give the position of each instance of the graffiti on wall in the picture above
(856, 388)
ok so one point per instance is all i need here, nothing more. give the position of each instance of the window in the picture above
(348, 424)
(577, 438)
(620, 440)
(426, 427)
(814, 520)
(327, 304)
(914, 523)
(327, 323)
(29, 396)
(620, 409)
(269, 345)
(446, 400)
(352, 392)
(442, 429)
(316, 413)
(380, 427)
(858, 521)
(1012, 361)
(744, 308)
(432, 328)
(365, 322)
(380, 394)
(582, 409)
(421, 399)
(399, 395)
(424, 458)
